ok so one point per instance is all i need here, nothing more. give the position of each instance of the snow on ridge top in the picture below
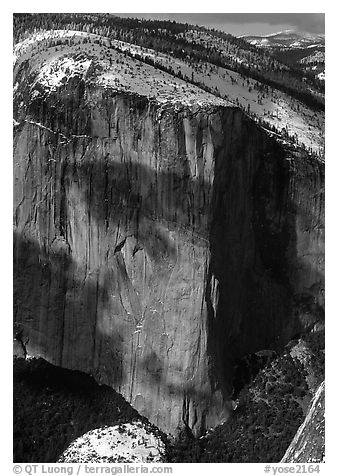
(95, 58)
(32, 41)
(145, 80)
(295, 33)
(55, 73)
(282, 32)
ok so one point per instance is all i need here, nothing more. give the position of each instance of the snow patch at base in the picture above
(125, 443)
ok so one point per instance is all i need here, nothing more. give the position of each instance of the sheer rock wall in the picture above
(154, 244)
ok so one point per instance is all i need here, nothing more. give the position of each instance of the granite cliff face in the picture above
(308, 445)
(156, 242)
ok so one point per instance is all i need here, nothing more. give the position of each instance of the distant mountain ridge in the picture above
(286, 39)
(298, 49)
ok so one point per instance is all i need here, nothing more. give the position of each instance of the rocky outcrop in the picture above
(157, 243)
(127, 443)
(308, 445)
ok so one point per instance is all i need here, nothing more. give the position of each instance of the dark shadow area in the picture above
(254, 235)
(128, 191)
(54, 406)
(153, 365)
(247, 368)
(48, 297)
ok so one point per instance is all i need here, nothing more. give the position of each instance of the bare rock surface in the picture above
(308, 445)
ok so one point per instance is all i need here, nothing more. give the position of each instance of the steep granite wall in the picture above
(155, 244)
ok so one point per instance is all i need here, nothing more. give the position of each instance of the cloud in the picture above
(309, 22)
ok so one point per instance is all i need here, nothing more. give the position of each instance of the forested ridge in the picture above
(185, 41)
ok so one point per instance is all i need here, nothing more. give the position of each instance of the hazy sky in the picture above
(245, 23)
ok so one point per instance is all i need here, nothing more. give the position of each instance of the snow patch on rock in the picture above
(54, 73)
(125, 443)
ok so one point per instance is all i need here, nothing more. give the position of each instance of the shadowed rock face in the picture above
(154, 245)
(308, 445)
